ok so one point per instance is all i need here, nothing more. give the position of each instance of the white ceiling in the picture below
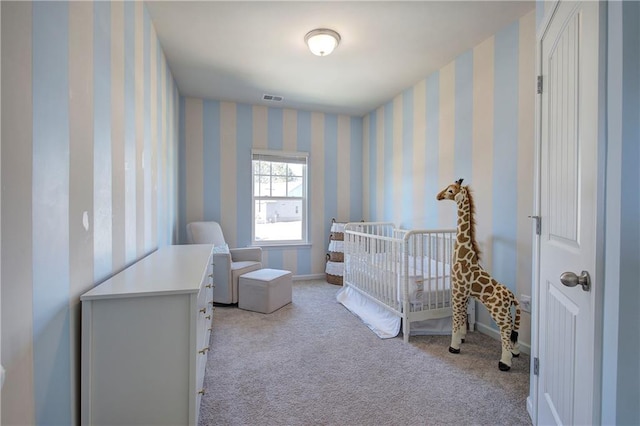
(240, 50)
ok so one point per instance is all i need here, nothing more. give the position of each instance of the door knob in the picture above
(571, 280)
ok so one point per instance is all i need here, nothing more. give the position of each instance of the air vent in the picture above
(272, 98)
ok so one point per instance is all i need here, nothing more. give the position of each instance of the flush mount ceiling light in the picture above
(322, 41)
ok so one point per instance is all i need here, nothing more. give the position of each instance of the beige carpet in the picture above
(314, 363)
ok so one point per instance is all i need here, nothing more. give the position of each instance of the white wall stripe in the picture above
(447, 211)
(117, 135)
(290, 143)
(228, 191)
(317, 199)
(344, 163)
(380, 177)
(366, 184)
(482, 157)
(396, 177)
(526, 145)
(419, 147)
(290, 130)
(152, 224)
(17, 179)
(290, 260)
(139, 108)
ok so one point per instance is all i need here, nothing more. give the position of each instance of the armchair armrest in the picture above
(246, 254)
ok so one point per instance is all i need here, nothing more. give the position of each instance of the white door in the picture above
(568, 206)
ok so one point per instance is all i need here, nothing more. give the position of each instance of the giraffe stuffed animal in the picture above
(470, 279)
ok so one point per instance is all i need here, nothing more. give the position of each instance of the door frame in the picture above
(599, 278)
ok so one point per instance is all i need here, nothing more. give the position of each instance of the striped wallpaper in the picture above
(97, 144)
(89, 172)
(215, 166)
(472, 119)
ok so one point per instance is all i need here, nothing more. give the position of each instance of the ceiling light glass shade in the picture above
(322, 41)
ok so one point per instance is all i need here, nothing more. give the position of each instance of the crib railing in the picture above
(405, 271)
(427, 256)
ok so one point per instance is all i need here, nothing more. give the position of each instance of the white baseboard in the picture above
(491, 332)
(308, 277)
(530, 408)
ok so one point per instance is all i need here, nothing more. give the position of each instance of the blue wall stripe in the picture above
(161, 120)
(407, 159)
(304, 145)
(211, 159)
(51, 333)
(275, 259)
(629, 392)
(505, 153)
(355, 172)
(539, 13)
(130, 131)
(182, 173)
(148, 208)
(330, 172)
(432, 150)
(275, 132)
(388, 162)
(244, 134)
(102, 167)
(463, 116)
(373, 161)
(304, 261)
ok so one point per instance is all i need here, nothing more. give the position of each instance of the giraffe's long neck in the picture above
(465, 249)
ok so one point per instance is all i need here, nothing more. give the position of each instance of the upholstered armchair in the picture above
(228, 264)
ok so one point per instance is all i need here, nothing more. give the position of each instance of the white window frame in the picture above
(284, 157)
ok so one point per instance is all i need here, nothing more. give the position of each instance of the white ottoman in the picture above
(264, 290)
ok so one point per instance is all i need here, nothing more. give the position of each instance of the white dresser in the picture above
(145, 338)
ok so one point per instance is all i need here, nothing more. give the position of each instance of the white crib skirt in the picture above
(384, 323)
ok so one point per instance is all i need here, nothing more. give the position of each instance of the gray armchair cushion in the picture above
(227, 266)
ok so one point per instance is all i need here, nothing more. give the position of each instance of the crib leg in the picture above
(405, 330)
(405, 321)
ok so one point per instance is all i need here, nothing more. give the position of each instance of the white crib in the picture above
(405, 272)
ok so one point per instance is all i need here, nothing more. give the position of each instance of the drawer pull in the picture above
(209, 286)
(210, 329)
(203, 351)
(210, 275)
(203, 310)
(201, 391)
(208, 317)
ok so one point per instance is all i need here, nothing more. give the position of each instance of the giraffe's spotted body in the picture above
(469, 279)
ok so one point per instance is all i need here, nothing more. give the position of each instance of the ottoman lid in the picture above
(265, 274)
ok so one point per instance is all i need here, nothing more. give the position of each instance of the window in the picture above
(279, 197)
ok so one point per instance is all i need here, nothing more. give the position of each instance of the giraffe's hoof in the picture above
(515, 355)
(453, 350)
(503, 367)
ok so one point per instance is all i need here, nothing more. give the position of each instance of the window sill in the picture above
(276, 246)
